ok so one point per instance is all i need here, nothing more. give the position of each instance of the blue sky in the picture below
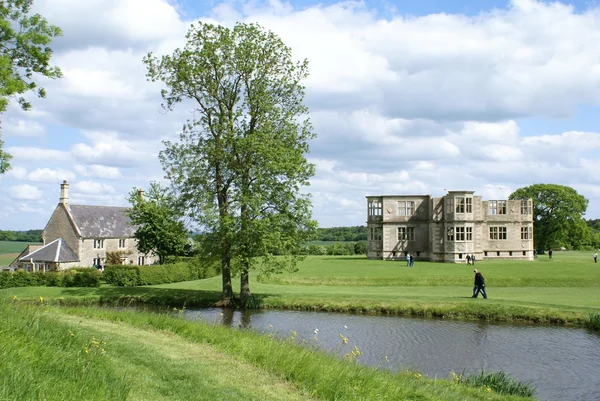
(406, 97)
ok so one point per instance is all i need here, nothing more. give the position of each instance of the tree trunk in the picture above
(227, 294)
(245, 286)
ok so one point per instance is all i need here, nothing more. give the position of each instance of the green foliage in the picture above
(499, 382)
(593, 321)
(557, 211)
(121, 275)
(81, 277)
(239, 167)
(129, 276)
(24, 51)
(160, 231)
(355, 233)
(116, 257)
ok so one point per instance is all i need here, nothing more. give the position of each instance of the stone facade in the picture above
(93, 231)
(449, 228)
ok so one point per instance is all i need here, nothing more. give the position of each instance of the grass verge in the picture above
(157, 356)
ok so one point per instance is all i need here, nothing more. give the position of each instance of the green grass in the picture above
(14, 246)
(6, 259)
(150, 356)
(564, 290)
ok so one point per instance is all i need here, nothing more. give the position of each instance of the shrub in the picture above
(55, 279)
(121, 275)
(593, 321)
(85, 277)
(186, 270)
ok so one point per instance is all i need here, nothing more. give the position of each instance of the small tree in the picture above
(24, 51)
(159, 232)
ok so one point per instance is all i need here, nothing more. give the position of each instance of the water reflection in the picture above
(562, 363)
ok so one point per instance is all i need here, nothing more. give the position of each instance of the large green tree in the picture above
(160, 230)
(24, 51)
(240, 164)
(558, 210)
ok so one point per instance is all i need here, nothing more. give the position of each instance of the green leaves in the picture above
(240, 164)
(24, 51)
(558, 210)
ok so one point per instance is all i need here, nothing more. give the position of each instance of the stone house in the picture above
(449, 228)
(81, 236)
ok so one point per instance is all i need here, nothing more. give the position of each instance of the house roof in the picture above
(28, 249)
(102, 221)
(55, 251)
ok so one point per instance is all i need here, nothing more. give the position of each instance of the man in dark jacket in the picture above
(479, 286)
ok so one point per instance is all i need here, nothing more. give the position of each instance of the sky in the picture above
(406, 97)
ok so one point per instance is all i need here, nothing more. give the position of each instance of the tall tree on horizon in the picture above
(557, 210)
(24, 51)
(238, 168)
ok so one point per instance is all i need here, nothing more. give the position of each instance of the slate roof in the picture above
(102, 221)
(55, 251)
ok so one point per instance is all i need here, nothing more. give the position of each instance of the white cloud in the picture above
(98, 171)
(34, 154)
(50, 175)
(24, 192)
(24, 128)
(91, 188)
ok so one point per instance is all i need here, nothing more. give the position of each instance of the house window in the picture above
(460, 233)
(485, 253)
(469, 233)
(450, 234)
(406, 208)
(375, 207)
(498, 253)
(406, 233)
(459, 204)
(122, 243)
(498, 233)
(376, 233)
(524, 253)
(449, 204)
(98, 244)
(98, 261)
(469, 205)
(525, 207)
(497, 207)
(141, 260)
(526, 233)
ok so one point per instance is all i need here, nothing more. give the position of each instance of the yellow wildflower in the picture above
(14, 297)
(41, 299)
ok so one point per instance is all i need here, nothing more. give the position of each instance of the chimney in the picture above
(64, 192)
(141, 193)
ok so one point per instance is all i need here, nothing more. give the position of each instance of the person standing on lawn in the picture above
(479, 286)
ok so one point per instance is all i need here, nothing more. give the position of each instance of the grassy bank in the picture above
(60, 353)
(564, 290)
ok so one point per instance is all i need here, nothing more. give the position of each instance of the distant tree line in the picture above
(354, 233)
(21, 236)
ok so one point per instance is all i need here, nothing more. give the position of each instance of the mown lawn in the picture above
(13, 246)
(565, 289)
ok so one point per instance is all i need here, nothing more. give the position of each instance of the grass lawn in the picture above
(565, 289)
(13, 246)
(7, 258)
(59, 353)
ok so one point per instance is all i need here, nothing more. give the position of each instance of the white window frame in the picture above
(469, 205)
(376, 234)
(375, 207)
(450, 234)
(526, 233)
(406, 208)
(469, 233)
(141, 260)
(526, 206)
(122, 243)
(459, 233)
(459, 204)
(98, 244)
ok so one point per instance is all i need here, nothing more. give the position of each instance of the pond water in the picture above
(561, 363)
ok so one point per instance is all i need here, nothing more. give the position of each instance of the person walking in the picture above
(479, 286)
(473, 259)
(407, 259)
(412, 260)
(550, 253)
(468, 259)
(595, 257)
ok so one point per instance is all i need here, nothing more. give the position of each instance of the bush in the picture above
(121, 275)
(186, 270)
(84, 277)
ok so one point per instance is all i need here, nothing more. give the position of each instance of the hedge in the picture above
(129, 276)
(80, 277)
